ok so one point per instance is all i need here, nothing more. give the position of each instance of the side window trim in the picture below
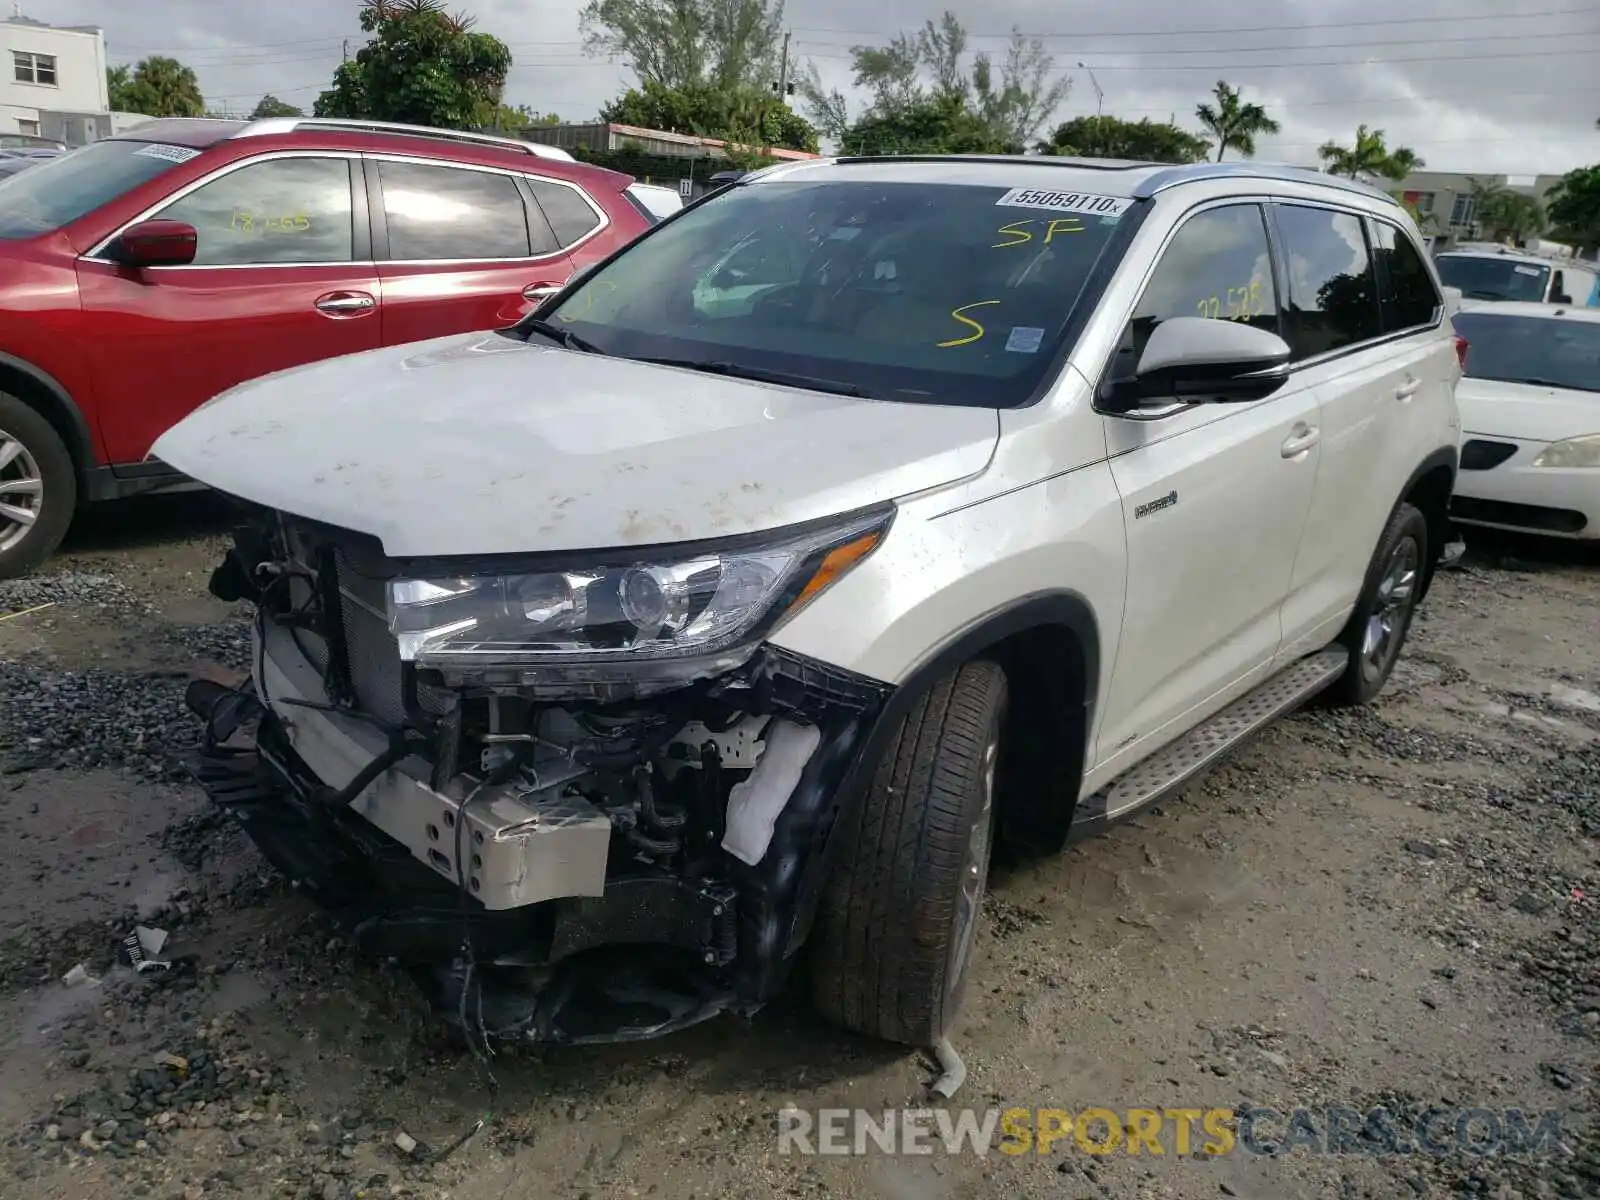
(1374, 224)
(360, 237)
(1259, 203)
(537, 221)
(381, 247)
(1276, 202)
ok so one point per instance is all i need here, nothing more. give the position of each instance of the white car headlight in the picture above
(1574, 452)
(653, 614)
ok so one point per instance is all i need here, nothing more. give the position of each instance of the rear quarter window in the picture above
(569, 214)
(1409, 299)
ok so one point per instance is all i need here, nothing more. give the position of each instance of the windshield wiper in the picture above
(564, 337)
(833, 387)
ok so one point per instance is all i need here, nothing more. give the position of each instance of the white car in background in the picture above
(658, 202)
(1484, 274)
(1530, 416)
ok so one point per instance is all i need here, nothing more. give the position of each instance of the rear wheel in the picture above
(893, 941)
(1377, 628)
(38, 488)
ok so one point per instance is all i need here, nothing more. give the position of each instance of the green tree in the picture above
(728, 44)
(157, 87)
(918, 86)
(422, 66)
(1369, 155)
(1505, 215)
(512, 118)
(938, 125)
(271, 106)
(1233, 123)
(1112, 137)
(746, 115)
(1573, 207)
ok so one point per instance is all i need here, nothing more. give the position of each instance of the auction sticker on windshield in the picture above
(1072, 202)
(175, 154)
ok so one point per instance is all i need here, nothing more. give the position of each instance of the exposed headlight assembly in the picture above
(665, 618)
(1574, 452)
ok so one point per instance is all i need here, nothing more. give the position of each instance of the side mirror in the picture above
(156, 243)
(1192, 359)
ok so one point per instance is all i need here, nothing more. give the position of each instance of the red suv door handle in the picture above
(346, 304)
(538, 291)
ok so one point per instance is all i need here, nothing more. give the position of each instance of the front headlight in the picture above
(1574, 452)
(700, 605)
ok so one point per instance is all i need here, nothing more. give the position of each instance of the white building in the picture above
(53, 80)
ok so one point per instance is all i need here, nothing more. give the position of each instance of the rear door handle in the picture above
(346, 304)
(538, 291)
(1302, 439)
(1407, 389)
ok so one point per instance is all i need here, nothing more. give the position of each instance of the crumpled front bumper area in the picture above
(552, 929)
(396, 908)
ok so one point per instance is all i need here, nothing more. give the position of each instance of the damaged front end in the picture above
(578, 800)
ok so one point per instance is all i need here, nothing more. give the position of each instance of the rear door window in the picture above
(437, 213)
(1332, 299)
(569, 214)
(1409, 298)
(274, 212)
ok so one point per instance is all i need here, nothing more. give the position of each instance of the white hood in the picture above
(484, 445)
(1526, 412)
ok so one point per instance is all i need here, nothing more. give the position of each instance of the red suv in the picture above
(144, 274)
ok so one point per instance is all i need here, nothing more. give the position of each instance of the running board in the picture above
(1173, 766)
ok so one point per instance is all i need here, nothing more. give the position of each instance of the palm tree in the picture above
(1234, 123)
(1503, 214)
(1369, 156)
(159, 87)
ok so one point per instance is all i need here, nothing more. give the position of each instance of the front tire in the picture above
(893, 939)
(1378, 627)
(38, 488)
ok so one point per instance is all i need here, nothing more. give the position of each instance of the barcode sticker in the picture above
(1071, 202)
(173, 154)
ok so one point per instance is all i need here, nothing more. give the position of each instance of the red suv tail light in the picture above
(1461, 351)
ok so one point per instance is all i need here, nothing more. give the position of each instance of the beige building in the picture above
(1444, 201)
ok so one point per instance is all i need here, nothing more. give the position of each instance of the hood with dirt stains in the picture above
(484, 444)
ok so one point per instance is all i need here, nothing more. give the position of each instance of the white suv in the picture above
(857, 515)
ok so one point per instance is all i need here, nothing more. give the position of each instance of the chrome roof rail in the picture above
(275, 126)
(1201, 172)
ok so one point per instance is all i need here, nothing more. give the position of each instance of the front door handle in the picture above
(1407, 389)
(346, 304)
(1302, 439)
(539, 291)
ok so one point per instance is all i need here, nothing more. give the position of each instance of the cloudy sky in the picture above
(1469, 91)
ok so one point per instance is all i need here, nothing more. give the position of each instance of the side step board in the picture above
(1169, 768)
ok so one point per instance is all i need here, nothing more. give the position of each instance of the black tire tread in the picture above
(880, 945)
(23, 421)
(1350, 689)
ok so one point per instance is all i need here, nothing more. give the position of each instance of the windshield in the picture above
(941, 293)
(1554, 351)
(54, 192)
(1493, 278)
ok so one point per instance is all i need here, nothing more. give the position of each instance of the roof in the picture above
(194, 132)
(1104, 176)
(1529, 308)
(1519, 256)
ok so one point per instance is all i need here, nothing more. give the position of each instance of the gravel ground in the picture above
(1394, 906)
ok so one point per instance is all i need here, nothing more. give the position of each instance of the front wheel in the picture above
(892, 945)
(1377, 629)
(38, 488)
